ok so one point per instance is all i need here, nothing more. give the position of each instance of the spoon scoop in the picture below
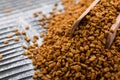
(77, 22)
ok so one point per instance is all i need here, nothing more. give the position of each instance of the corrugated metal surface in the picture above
(14, 65)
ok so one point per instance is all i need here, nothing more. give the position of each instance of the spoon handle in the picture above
(76, 24)
(111, 36)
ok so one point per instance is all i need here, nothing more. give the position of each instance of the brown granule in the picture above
(41, 34)
(41, 19)
(24, 46)
(34, 76)
(27, 27)
(42, 23)
(82, 57)
(15, 30)
(35, 14)
(16, 39)
(39, 12)
(23, 33)
(26, 38)
(60, 10)
(8, 10)
(6, 42)
(26, 52)
(17, 33)
(55, 4)
(36, 44)
(35, 37)
(44, 15)
(1, 56)
(54, 8)
(9, 36)
(46, 27)
(34, 40)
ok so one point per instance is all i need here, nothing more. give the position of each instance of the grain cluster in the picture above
(82, 57)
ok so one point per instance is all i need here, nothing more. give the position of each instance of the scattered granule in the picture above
(27, 27)
(30, 57)
(46, 27)
(54, 8)
(26, 38)
(36, 44)
(42, 23)
(55, 4)
(82, 57)
(42, 34)
(15, 29)
(9, 36)
(44, 15)
(34, 40)
(35, 67)
(23, 33)
(16, 39)
(24, 46)
(39, 12)
(17, 33)
(60, 10)
(26, 52)
(35, 14)
(6, 42)
(51, 13)
(41, 19)
(1, 56)
(8, 10)
(35, 37)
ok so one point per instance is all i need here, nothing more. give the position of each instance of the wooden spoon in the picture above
(77, 22)
(112, 35)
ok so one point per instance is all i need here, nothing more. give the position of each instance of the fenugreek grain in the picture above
(27, 27)
(6, 42)
(9, 36)
(17, 32)
(16, 39)
(23, 33)
(15, 29)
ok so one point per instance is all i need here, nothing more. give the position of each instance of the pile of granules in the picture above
(84, 56)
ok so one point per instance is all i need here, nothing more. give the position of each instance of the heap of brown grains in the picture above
(84, 56)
